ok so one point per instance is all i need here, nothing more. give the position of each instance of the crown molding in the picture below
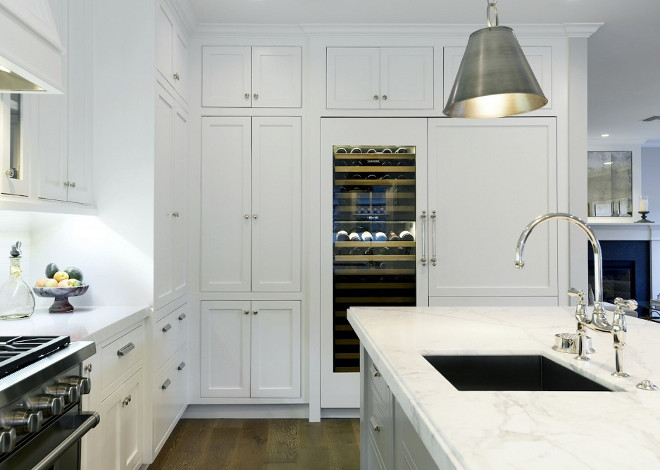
(563, 30)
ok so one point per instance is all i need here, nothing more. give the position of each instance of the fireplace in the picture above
(626, 271)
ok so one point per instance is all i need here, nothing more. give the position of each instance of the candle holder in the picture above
(644, 219)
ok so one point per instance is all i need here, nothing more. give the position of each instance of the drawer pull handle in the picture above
(376, 372)
(181, 366)
(374, 424)
(126, 401)
(125, 350)
(167, 328)
(182, 316)
(166, 384)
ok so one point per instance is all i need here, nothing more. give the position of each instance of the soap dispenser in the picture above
(16, 297)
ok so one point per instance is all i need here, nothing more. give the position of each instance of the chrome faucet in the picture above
(598, 320)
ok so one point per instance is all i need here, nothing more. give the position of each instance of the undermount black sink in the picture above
(500, 373)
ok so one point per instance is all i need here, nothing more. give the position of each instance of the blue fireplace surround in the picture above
(626, 271)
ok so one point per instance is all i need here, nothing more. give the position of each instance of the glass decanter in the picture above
(16, 297)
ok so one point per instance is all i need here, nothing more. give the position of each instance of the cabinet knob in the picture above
(254, 312)
(375, 97)
(11, 173)
(247, 96)
(175, 214)
(126, 401)
(246, 216)
(166, 384)
(181, 366)
(176, 76)
(246, 312)
(255, 216)
(88, 367)
(384, 97)
(256, 96)
(167, 328)
(182, 316)
(72, 184)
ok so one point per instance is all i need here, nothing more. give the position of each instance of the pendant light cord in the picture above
(492, 8)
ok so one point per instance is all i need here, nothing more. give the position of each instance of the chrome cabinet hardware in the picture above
(11, 173)
(434, 254)
(246, 312)
(256, 96)
(166, 384)
(126, 400)
(254, 312)
(182, 316)
(70, 184)
(246, 216)
(175, 214)
(384, 97)
(167, 328)
(181, 366)
(374, 424)
(247, 96)
(375, 97)
(423, 258)
(255, 216)
(375, 372)
(125, 349)
(176, 77)
(88, 367)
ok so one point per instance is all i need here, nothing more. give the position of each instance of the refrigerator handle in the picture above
(423, 258)
(434, 255)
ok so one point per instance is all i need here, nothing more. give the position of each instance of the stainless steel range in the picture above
(41, 384)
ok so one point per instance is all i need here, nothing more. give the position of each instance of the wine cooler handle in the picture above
(423, 259)
(434, 254)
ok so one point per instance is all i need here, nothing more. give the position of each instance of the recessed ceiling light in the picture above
(604, 135)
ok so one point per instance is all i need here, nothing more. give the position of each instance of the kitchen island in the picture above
(509, 430)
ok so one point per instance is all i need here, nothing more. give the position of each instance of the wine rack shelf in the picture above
(374, 231)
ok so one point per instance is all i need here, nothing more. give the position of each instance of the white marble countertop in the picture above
(475, 430)
(84, 323)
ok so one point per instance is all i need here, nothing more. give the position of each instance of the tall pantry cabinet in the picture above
(250, 256)
(168, 394)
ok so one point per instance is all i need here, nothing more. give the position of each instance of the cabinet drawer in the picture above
(377, 380)
(120, 355)
(169, 396)
(169, 335)
(380, 423)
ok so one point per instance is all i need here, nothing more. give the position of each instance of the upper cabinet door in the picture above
(227, 77)
(276, 77)
(406, 78)
(171, 51)
(353, 78)
(226, 211)
(276, 204)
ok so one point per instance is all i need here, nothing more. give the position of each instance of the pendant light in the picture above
(494, 78)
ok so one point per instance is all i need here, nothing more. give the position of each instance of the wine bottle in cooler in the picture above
(406, 236)
(394, 237)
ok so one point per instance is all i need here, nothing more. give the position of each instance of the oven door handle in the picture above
(92, 419)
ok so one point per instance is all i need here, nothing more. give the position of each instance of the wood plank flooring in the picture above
(261, 444)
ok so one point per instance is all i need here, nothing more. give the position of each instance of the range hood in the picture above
(31, 53)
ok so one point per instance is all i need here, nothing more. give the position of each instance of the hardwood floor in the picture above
(261, 444)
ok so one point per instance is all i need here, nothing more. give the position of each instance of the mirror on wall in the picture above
(610, 184)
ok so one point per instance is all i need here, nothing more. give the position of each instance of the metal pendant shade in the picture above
(494, 78)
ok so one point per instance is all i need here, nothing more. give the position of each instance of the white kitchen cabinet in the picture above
(251, 349)
(473, 223)
(259, 77)
(251, 209)
(120, 446)
(410, 453)
(171, 154)
(64, 143)
(380, 78)
(117, 377)
(170, 380)
(171, 51)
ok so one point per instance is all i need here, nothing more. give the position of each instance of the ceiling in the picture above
(624, 57)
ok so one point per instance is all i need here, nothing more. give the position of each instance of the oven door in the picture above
(56, 447)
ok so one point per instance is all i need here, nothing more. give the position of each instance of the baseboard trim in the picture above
(246, 411)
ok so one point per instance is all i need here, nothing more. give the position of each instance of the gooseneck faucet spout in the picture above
(598, 320)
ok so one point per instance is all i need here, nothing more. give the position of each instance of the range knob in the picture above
(7, 440)
(84, 384)
(70, 393)
(49, 405)
(23, 421)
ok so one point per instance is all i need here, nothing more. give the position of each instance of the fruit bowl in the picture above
(61, 303)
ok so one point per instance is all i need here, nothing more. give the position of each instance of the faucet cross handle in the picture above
(629, 304)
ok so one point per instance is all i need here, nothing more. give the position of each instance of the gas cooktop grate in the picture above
(17, 352)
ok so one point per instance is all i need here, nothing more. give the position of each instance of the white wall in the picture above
(651, 180)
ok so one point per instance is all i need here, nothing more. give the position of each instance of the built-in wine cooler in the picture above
(374, 237)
